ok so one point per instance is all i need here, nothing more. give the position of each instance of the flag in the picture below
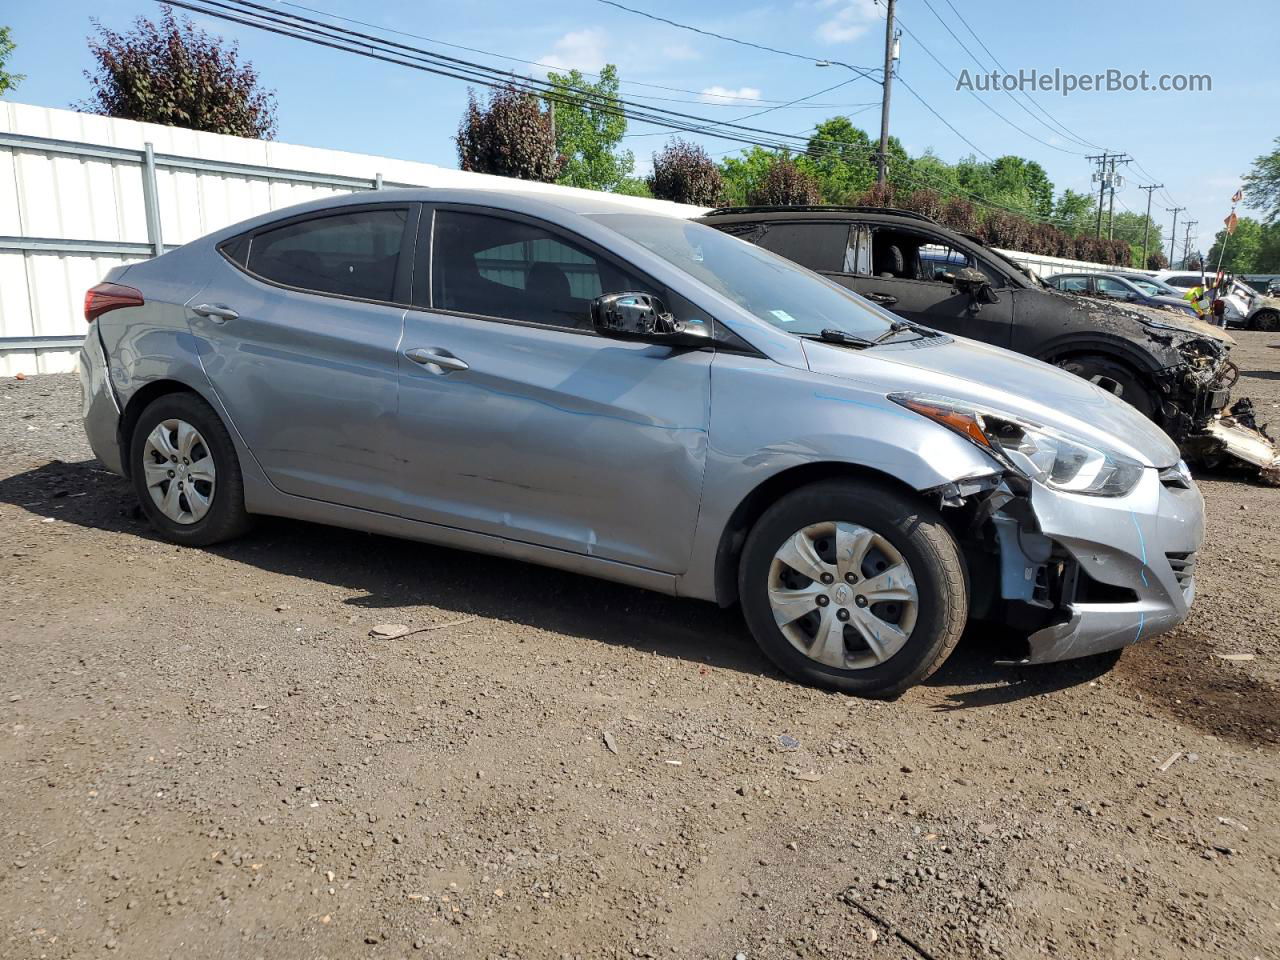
(1232, 221)
(1237, 196)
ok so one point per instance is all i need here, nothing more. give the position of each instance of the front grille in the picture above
(1184, 568)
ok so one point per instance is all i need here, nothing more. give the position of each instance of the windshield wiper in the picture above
(832, 335)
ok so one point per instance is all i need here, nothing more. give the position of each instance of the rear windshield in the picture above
(776, 290)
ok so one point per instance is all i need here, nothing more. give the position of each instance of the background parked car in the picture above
(1172, 368)
(1245, 307)
(1111, 286)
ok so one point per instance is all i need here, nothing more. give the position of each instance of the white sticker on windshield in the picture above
(783, 316)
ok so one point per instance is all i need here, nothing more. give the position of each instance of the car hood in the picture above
(1158, 315)
(1261, 300)
(983, 375)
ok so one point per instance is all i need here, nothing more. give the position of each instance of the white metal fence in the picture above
(80, 194)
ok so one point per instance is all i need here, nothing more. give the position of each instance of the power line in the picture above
(863, 71)
(951, 74)
(701, 94)
(781, 106)
(272, 20)
(942, 119)
(1031, 100)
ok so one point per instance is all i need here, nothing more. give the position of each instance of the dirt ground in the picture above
(204, 754)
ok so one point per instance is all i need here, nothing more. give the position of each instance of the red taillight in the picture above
(109, 296)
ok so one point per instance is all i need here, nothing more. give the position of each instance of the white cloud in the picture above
(719, 94)
(583, 49)
(849, 21)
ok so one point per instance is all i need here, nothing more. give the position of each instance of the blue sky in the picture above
(1197, 144)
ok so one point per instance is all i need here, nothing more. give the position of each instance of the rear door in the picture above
(519, 421)
(299, 328)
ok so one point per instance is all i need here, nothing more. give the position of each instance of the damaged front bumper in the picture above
(1084, 575)
(1195, 414)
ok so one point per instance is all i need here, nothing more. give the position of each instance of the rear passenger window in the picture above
(512, 270)
(1074, 284)
(348, 254)
(814, 244)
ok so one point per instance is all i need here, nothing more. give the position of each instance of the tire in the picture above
(1114, 377)
(901, 529)
(183, 429)
(1268, 321)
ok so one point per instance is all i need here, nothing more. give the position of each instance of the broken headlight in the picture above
(1058, 460)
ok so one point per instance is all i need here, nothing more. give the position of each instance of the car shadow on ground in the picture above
(1261, 374)
(389, 574)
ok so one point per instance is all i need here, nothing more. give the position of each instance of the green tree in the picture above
(1074, 212)
(1269, 249)
(8, 81)
(509, 136)
(841, 158)
(589, 126)
(1262, 184)
(177, 75)
(1243, 248)
(743, 174)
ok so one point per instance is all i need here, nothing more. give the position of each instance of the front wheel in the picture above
(1268, 321)
(854, 586)
(1116, 378)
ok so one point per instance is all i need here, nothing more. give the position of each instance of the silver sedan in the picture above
(572, 382)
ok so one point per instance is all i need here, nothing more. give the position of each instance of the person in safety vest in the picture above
(1195, 296)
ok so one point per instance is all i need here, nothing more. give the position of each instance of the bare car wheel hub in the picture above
(827, 619)
(179, 471)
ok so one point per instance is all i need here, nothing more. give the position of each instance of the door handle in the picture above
(883, 299)
(436, 358)
(217, 312)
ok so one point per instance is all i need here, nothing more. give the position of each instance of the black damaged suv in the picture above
(1171, 367)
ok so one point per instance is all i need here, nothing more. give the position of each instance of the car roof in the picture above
(549, 203)
(815, 212)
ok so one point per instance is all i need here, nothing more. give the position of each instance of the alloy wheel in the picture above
(842, 595)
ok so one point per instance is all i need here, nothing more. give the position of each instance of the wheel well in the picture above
(759, 500)
(139, 402)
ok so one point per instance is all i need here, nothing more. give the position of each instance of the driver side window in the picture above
(493, 267)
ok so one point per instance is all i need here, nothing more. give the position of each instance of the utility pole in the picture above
(1186, 246)
(1146, 227)
(889, 42)
(1173, 231)
(1107, 179)
(1100, 176)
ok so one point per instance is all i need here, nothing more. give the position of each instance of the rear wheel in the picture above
(186, 473)
(853, 586)
(1267, 321)
(1114, 377)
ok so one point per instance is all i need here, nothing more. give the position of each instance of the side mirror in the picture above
(642, 316)
(975, 283)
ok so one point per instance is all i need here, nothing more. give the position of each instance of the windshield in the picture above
(1149, 288)
(776, 290)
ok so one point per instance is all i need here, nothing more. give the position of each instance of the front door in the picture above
(519, 422)
(910, 274)
(298, 328)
